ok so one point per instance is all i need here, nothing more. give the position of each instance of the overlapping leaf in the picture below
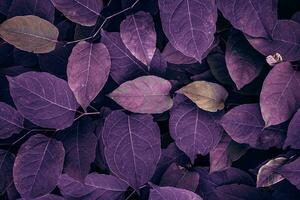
(293, 134)
(162, 193)
(6, 169)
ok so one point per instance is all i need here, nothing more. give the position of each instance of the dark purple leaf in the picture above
(209, 181)
(240, 192)
(253, 17)
(84, 12)
(43, 9)
(243, 62)
(244, 124)
(6, 170)
(4, 6)
(158, 65)
(195, 131)
(285, 41)
(11, 122)
(7, 52)
(96, 187)
(80, 145)
(24, 58)
(174, 56)
(279, 98)
(291, 172)
(189, 25)
(139, 36)
(296, 17)
(38, 166)
(168, 156)
(44, 99)
(168, 193)
(226, 152)
(146, 94)
(15, 70)
(88, 70)
(132, 147)
(124, 66)
(178, 176)
(293, 133)
(47, 197)
(267, 175)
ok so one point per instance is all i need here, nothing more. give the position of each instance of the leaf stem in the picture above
(85, 114)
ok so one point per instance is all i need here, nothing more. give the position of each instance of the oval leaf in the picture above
(178, 176)
(243, 62)
(195, 131)
(11, 121)
(30, 33)
(38, 165)
(139, 36)
(124, 66)
(168, 193)
(293, 134)
(279, 98)
(206, 95)
(80, 145)
(132, 147)
(266, 174)
(285, 40)
(84, 12)
(6, 170)
(88, 70)
(44, 99)
(189, 25)
(146, 94)
(244, 124)
(253, 17)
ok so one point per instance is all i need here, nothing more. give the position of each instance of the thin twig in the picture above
(85, 114)
(130, 194)
(103, 23)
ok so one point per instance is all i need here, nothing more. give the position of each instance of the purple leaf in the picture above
(124, 66)
(226, 152)
(44, 99)
(253, 17)
(88, 70)
(267, 175)
(243, 62)
(279, 98)
(4, 6)
(96, 187)
(47, 197)
(178, 176)
(83, 12)
(6, 169)
(244, 124)
(285, 40)
(11, 122)
(139, 36)
(293, 133)
(146, 94)
(38, 165)
(158, 65)
(296, 17)
(168, 156)
(43, 9)
(195, 131)
(174, 56)
(80, 145)
(209, 181)
(189, 25)
(168, 193)
(240, 192)
(132, 147)
(291, 172)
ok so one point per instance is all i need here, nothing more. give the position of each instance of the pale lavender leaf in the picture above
(139, 36)
(38, 166)
(189, 25)
(243, 62)
(6, 169)
(244, 124)
(83, 12)
(293, 133)
(279, 98)
(124, 66)
(146, 94)
(132, 146)
(195, 131)
(168, 193)
(291, 172)
(88, 69)
(44, 99)
(11, 122)
(80, 145)
(179, 177)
